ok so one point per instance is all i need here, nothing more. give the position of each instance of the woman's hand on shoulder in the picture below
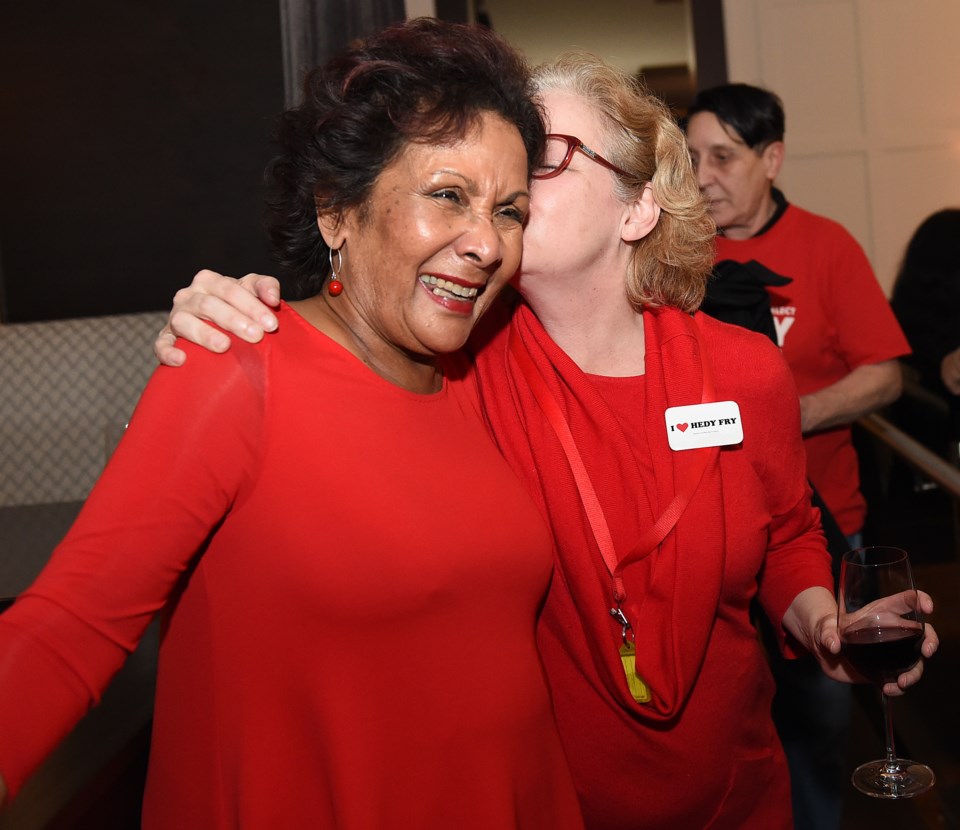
(241, 307)
(812, 620)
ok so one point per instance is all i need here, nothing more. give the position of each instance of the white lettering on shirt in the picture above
(783, 318)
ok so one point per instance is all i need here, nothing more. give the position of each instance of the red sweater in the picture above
(704, 749)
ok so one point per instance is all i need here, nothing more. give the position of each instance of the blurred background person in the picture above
(841, 342)
(950, 371)
(926, 300)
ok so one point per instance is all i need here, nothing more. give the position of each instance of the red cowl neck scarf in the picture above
(672, 589)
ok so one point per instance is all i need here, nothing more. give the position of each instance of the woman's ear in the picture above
(641, 217)
(772, 156)
(331, 225)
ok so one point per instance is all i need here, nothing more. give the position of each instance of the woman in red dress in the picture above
(348, 572)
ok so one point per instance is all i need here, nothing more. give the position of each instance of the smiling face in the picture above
(436, 241)
(735, 178)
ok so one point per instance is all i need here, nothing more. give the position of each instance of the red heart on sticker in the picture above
(682, 427)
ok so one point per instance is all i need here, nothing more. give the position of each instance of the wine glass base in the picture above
(902, 779)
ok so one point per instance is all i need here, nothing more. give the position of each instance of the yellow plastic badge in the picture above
(638, 689)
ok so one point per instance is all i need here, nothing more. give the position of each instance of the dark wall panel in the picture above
(134, 137)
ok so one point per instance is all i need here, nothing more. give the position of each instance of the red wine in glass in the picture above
(882, 654)
(881, 628)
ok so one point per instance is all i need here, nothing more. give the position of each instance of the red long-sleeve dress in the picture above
(349, 576)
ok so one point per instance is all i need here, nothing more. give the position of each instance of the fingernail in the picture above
(269, 322)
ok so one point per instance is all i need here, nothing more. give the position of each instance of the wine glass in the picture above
(881, 629)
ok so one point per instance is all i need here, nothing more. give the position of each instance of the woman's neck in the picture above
(601, 332)
(415, 373)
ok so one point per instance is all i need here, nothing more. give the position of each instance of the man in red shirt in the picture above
(838, 335)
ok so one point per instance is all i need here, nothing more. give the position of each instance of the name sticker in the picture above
(704, 425)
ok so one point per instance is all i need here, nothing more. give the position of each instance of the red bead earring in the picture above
(335, 287)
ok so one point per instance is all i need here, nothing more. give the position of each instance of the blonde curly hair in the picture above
(671, 265)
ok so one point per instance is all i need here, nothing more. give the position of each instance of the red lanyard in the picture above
(689, 478)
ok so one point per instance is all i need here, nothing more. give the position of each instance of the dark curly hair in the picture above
(423, 80)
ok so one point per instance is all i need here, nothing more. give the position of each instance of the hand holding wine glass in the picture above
(881, 627)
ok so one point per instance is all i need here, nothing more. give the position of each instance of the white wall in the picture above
(871, 90)
(627, 33)
(420, 8)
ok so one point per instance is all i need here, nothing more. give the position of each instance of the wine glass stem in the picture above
(888, 732)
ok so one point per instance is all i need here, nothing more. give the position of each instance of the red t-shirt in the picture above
(832, 318)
